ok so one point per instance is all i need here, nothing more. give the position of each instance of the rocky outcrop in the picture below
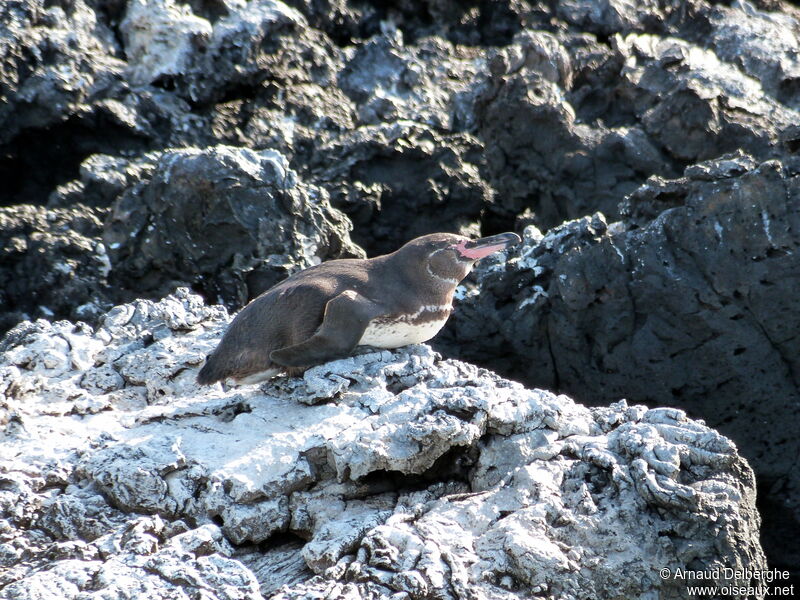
(377, 474)
(521, 112)
(693, 305)
(414, 118)
(762, 44)
(47, 77)
(373, 176)
(52, 263)
(408, 117)
(228, 220)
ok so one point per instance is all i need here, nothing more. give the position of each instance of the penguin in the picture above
(323, 312)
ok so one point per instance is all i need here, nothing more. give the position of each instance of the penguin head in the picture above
(449, 257)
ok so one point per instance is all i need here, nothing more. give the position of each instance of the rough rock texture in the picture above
(378, 474)
(64, 96)
(68, 73)
(415, 117)
(232, 221)
(411, 116)
(229, 221)
(521, 113)
(51, 262)
(763, 44)
(373, 176)
(700, 106)
(694, 305)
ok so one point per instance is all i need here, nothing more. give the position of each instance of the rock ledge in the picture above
(384, 473)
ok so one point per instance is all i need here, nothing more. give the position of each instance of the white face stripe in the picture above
(439, 277)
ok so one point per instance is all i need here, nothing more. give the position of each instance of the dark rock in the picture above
(341, 21)
(229, 221)
(694, 105)
(400, 181)
(52, 264)
(595, 76)
(763, 44)
(390, 81)
(102, 179)
(475, 23)
(522, 115)
(414, 116)
(55, 56)
(646, 105)
(204, 57)
(606, 17)
(64, 97)
(695, 307)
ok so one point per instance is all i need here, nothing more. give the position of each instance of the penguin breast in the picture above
(396, 331)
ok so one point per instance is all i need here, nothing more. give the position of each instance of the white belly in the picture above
(400, 333)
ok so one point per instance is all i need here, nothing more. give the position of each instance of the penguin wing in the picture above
(343, 324)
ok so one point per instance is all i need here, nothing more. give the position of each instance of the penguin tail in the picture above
(210, 372)
(246, 368)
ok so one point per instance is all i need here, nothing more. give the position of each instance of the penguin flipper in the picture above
(343, 324)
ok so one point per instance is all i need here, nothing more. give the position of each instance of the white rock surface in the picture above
(166, 41)
(385, 473)
(160, 38)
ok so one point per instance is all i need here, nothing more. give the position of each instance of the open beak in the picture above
(476, 249)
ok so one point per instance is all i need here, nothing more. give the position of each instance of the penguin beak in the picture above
(477, 249)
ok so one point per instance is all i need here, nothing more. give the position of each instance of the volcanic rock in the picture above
(54, 58)
(374, 175)
(413, 116)
(522, 112)
(763, 44)
(694, 305)
(51, 263)
(383, 473)
(231, 221)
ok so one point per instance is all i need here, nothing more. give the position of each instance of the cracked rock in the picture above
(229, 219)
(378, 474)
(692, 306)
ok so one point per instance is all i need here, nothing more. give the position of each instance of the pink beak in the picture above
(477, 249)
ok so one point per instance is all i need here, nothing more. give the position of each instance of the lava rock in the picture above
(56, 56)
(763, 44)
(102, 178)
(480, 23)
(414, 116)
(203, 56)
(52, 264)
(64, 97)
(693, 306)
(389, 81)
(607, 17)
(695, 105)
(382, 473)
(400, 181)
(232, 221)
(521, 114)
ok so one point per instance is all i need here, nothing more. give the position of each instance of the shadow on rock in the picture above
(692, 306)
(120, 476)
